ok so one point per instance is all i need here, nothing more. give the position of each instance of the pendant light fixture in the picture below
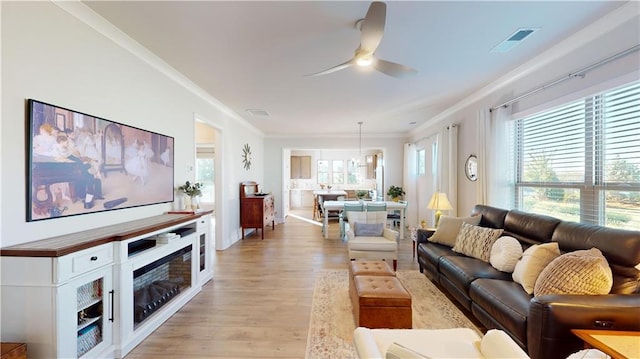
(356, 162)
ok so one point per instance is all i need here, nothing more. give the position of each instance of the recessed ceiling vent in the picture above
(514, 39)
(258, 113)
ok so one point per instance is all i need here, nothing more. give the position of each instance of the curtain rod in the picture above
(579, 73)
(433, 134)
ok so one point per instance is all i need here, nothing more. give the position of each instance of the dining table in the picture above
(339, 205)
(321, 195)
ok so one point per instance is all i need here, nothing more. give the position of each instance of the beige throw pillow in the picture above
(449, 227)
(475, 241)
(533, 261)
(579, 272)
(505, 253)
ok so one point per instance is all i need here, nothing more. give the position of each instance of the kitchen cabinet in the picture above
(300, 167)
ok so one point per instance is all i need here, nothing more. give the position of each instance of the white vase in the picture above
(195, 203)
(178, 204)
(186, 202)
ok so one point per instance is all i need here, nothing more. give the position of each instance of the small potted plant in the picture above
(360, 194)
(193, 190)
(395, 192)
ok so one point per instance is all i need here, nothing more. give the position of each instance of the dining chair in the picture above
(376, 207)
(394, 216)
(348, 207)
(333, 214)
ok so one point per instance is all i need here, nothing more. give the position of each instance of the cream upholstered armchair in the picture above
(368, 237)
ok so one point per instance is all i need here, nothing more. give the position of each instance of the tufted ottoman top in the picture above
(370, 268)
(381, 291)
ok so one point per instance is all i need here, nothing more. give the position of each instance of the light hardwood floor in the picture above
(258, 304)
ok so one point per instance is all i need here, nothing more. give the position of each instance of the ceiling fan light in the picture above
(364, 61)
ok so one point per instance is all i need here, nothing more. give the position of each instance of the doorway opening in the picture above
(306, 171)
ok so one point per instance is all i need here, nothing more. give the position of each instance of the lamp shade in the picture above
(439, 202)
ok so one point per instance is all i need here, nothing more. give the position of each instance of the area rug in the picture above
(331, 325)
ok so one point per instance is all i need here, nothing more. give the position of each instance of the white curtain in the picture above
(448, 165)
(484, 124)
(495, 159)
(410, 184)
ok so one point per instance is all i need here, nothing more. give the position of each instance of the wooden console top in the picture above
(74, 242)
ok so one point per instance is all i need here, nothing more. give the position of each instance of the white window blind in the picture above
(581, 161)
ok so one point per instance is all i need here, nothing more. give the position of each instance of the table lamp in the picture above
(439, 202)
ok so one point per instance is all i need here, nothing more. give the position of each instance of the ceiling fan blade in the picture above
(343, 65)
(393, 69)
(373, 26)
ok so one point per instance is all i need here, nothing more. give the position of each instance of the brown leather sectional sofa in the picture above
(540, 325)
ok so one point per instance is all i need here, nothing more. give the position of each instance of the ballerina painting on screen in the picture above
(80, 164)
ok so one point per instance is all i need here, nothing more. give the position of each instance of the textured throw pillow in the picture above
(475, 241)
(505, 253)
(368, 229)
(578, 272)
(449, 227)
(533, 261)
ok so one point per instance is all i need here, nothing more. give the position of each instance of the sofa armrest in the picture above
(551, 318)
(390, 234)
(423, 235)
(365, 344)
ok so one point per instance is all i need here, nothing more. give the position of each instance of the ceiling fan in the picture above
(371, 28)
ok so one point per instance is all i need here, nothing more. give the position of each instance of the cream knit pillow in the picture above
(577, 272)
(533, 261)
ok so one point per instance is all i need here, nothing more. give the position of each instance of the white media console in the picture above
(99, 293)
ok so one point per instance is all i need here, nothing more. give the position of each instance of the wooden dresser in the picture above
(257, 210)
(14, 351)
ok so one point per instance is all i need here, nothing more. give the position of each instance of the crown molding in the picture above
(89, 17)
(622, 14)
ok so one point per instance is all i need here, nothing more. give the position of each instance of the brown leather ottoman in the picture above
(381, 302)
(380, 268)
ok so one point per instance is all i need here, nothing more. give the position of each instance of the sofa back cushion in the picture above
(492, 217)
(620, 247)
(530, 228)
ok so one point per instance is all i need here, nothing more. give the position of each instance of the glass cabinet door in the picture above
(94, 312)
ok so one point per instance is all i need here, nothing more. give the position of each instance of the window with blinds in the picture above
(581, 161)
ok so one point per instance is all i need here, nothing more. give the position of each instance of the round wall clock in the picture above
(471, 168)
(246, 156)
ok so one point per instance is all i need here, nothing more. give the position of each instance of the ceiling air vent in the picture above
(514, 39)
(258, 113)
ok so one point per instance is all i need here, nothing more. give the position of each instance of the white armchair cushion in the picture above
(435, 343)
(374, 244)
(399, 351)
(497, 344)
(431, 343)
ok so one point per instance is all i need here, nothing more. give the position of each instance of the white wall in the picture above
(613, 33)
(52, 56)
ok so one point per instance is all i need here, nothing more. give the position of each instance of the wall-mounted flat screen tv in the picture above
(80, 163)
